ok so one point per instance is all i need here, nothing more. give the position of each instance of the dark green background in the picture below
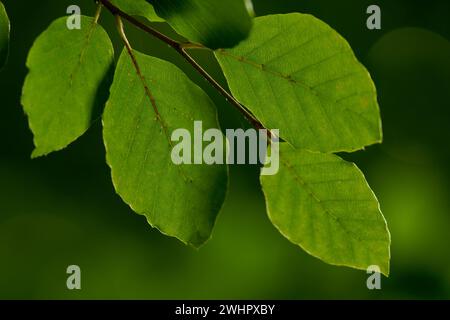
(62, 209)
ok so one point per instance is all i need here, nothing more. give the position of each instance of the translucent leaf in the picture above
(143, 110)
(297, 74)
(63, 91)
(324, 204)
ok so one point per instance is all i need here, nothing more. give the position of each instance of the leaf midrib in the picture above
(289, 77)
(319, 202)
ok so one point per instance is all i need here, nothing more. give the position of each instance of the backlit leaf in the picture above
(142, 112)
(297, 74)
(62, 91)
(324, 204)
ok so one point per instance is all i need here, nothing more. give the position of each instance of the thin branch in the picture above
(181, 48)
(247, 114)
(155, 33)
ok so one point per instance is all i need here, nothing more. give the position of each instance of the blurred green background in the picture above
(62, 209)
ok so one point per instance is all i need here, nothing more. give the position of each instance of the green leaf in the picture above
(213, 23)
(297, 74)
(324, 204)
(62, 92)
(4, 36)
(143, 110)
(138, 8)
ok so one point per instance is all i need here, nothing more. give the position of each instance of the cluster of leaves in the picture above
(291, 71)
